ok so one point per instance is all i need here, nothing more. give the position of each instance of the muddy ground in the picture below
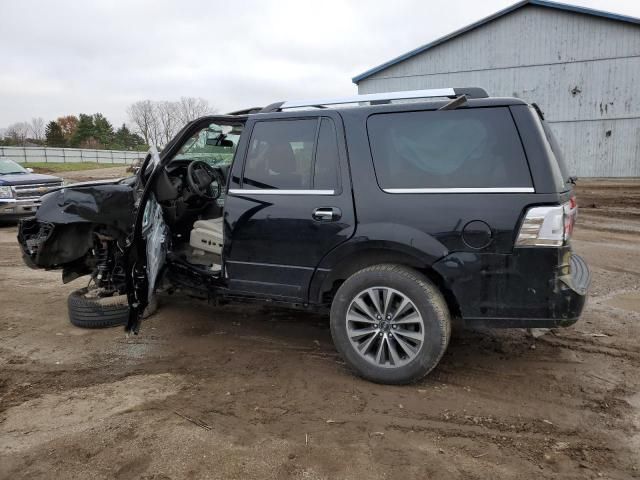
(250, 392)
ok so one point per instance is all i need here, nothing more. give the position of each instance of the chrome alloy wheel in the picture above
(385, 327)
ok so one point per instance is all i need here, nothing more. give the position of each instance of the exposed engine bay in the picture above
(88, 229)
(83, 230)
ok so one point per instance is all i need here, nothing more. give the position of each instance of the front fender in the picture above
(111, 205)
(62, 231)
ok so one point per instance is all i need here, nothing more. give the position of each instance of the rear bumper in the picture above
(527, 289)
(13, 209)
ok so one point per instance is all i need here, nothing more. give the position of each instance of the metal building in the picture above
(581, 66)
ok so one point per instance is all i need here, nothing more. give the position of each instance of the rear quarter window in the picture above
(466, 148)
(558, 165)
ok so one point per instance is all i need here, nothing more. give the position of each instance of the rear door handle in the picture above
(326, 214)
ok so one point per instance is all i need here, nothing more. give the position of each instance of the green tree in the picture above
(137, 142)
(102, 129)
(126, 139)
(84, 131)
(54, 135)
(121, 137)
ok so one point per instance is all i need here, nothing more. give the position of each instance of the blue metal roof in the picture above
(479, 23)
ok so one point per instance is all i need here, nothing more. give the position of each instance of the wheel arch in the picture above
(326, 282)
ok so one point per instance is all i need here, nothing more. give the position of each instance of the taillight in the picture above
(548, 226)
(570, 216)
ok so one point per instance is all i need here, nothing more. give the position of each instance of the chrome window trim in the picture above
(244, 191)
(462, 190)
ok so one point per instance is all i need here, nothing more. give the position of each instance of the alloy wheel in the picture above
(385, 327)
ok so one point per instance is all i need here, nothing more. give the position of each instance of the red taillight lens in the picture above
(570, 215)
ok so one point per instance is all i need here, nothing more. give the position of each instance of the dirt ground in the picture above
(249, 392)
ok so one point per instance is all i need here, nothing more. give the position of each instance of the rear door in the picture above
(289, 203)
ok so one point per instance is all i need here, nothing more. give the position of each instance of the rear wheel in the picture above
(390, 324)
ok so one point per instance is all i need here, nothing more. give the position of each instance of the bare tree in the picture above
(191, 108)
(168, 120)
(18, 132)
(143, 115)
(158, 122)
(37, 128)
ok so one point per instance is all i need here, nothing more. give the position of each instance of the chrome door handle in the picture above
(326, 214)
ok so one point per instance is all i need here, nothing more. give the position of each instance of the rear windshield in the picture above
(467, 148)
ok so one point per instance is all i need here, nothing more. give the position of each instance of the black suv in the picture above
(395, 217)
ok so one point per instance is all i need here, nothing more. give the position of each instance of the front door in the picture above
(289, 203)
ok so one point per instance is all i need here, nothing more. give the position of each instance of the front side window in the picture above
(299, 154)
(466, 148)
(281, 154)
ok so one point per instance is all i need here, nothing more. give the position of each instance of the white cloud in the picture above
(64, 56)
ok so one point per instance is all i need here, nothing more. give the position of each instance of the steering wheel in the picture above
(200, 176)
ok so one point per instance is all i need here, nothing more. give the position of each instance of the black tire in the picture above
(97, 312)
(428, 301)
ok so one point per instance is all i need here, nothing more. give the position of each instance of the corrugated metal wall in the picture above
(583, 71)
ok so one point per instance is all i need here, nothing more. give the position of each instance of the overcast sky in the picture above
(62, 57)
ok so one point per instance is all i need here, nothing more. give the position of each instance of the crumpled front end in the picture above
(65, 226)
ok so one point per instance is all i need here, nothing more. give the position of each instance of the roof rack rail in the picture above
(373, 98)
(246, 111)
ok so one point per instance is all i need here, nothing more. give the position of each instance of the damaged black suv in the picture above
(395, 217)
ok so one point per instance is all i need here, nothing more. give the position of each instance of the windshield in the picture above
(9, 166)
(214, 144)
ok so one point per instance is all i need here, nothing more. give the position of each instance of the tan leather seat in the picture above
(216, 224)
(208, 235)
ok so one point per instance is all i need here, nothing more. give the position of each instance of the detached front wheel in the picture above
(88, 309)
(390, 324)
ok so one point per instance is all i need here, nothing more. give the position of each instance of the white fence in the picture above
(63, 155)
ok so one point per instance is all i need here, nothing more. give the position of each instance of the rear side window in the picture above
(559, 167)
(466, 148)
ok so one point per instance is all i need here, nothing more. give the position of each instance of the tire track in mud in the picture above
(584, 453)
(575, 344)
(589, 342)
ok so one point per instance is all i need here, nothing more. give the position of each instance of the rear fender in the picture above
(373, 244)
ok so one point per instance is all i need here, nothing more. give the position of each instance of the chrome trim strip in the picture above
(372, 97)
(242, 191)
(271, 265)
(462, 190)
(20, 202)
